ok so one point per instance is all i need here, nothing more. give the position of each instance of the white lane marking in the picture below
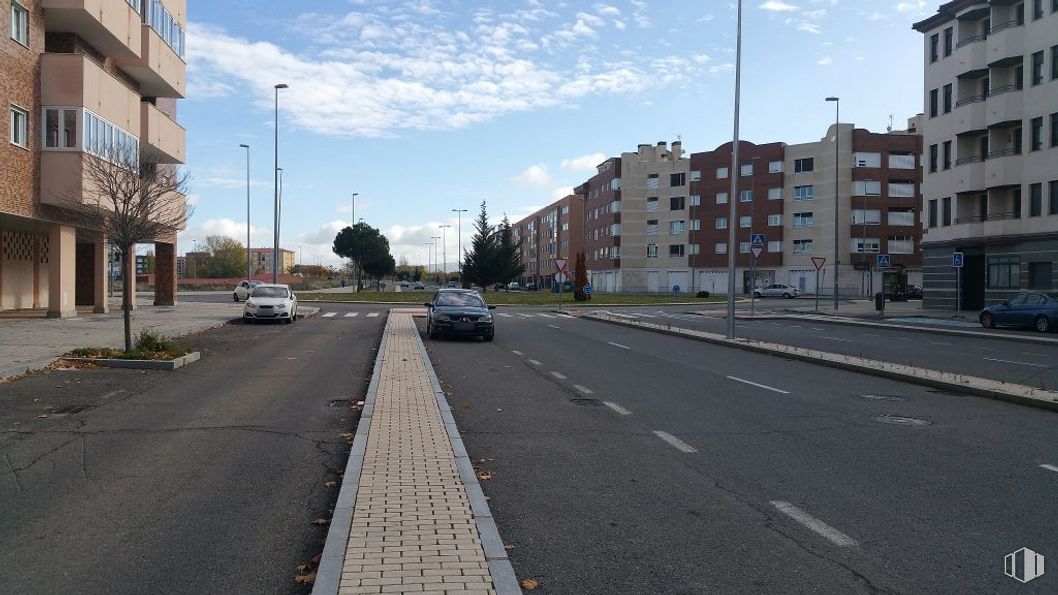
(559, 375)
(764, 386)
(583, 389)
(939, 343)
(524, 315)
(552, 326)
(675, 442)
(1010, 361)
(795, 326)
(351, 315)
(518, 353)
(535, 362)
(622, 411)
(112, 393)
(647, 315)
(618, 345)
(506, 315)
(983, 348)
(830, 533)
(566, 316)
(1050, 468)
(813, 328)
(837, 339)
(542, 315)
(372, 314)
(329, 315)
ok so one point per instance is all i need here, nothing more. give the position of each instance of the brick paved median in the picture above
(412, 528)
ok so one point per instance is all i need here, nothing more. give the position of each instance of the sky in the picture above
(424, 106)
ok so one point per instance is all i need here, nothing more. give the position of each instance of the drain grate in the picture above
(586, 402)
(68, 410)
(902, 421)
(882, 397)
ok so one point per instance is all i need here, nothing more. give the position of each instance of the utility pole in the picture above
(352, 217)
(275, 187)
(444, 250)
(459, 240)
(837, 202)
(732, 247)
(249, 267)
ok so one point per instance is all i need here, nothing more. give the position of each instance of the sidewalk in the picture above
(33, 343)
(410, 517)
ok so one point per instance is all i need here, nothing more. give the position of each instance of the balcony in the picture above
(71, 80)
(111, 26)
(1006, 40)
(969, 175)
(1003, 168)
(971, 53)
(162, 133)
(159, 70)
(1004, 105)
(970, 114)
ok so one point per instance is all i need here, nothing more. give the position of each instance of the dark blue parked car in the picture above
(1036, 310)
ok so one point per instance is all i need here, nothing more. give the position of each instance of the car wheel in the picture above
(787, 295)
(430, 330)
(490, 336)
(758, 295)
(1042, 324)
(986, 321)
(235, 296)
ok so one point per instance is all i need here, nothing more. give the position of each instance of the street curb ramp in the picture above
(971, 385)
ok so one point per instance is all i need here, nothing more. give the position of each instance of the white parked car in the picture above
(271, 302)
(243, 290)
(777, 290)
(513, 285)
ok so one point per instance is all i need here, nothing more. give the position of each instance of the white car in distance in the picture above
(271, 302)
(243, 290)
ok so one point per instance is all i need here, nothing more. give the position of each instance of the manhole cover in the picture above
(68, 410)
(586, 402)
(901, 421)
(882, 397)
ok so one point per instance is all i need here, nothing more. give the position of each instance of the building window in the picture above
(694, 249)
(803, 220)
(696, 201)
(933, 101)
(696, 224)
(745, 222)
(932, 213)
(652, 182)
(934, 47)
(1037, 68)
(677, 203)
(774, 220)
(675, 250)
(1035, 199)
(866, 188)
(721, 222)
(1037, 10)
(1054, 130)
(933, 159)
(60, 128)
(1004, 272)
(947, 98)
(652, 250)
(720, 248)
(949, 39)
(1053, 191)
(745, 196)
(802, 192)
(19, 127)
(744, 247)
(866, 245)
(696, 176)
(677, 227)
(866, 159)
(721, 173)
(775, 246)
(747, 170)
(1017, 202)
(866, 217)
(946, 211)
(721, 198)
(805, 165)
(19, 24)
(652, 227)
(1036, 134)
(947, 154)
(774, 193)
(677, 179)
(1054, 61)
(775, 167)
(802, 246)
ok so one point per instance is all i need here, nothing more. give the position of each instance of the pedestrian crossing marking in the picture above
(330, 315)
(372, 314)
(352, 315)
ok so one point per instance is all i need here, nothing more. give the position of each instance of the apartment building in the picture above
(991, 132)
(79, 77)
(601, 196)
(555, 231)
(261, 260)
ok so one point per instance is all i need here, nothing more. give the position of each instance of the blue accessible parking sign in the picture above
(956, 259)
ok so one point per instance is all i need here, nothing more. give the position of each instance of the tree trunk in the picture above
(128, 286)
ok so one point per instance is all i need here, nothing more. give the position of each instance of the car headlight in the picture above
(281, 307)
(486, 318)
(251, 305)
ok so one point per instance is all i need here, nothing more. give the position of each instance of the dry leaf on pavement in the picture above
(529, 584)
(484, 475)
(330, 484)
(308, 579)
(321, 522)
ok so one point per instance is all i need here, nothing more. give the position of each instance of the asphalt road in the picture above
(1033, 364)
(626, 461)
(202, 480)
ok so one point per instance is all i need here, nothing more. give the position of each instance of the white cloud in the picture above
(809, 28)
(561, 192)
(824, 61)
(777, 6)
(236, 230)
(607, 10)
(583, 163)
(535, 175)
(911, 7)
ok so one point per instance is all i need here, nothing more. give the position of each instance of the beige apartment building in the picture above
(991, 135)
(80, 77)
(261, 259)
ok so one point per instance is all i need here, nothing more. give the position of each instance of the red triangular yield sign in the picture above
(560, 264)
(818, 261)
(756, 251)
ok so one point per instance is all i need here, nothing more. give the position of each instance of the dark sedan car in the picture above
(459, 312)
(1035, 310)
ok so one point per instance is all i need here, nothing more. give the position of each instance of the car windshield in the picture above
(460, 299)
(271, 292)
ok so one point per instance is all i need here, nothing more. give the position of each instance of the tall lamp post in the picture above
(837, 204)
(249, 267)
(352, 217)
(279, 223)
(275, 187)
(752, 230)
(732, 221)
(459, 240)
(435, 254)
(444, 249)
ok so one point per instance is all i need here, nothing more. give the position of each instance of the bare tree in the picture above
(132, 198)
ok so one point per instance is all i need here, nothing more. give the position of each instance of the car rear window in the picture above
(270, 292)
(460, 299)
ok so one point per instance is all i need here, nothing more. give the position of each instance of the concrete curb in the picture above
(982, 387)
(27, 367)
(823, 318)
(329, 573)
(503, 577)
(140, 364)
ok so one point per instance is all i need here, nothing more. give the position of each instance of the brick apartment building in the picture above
(261, 259)
(556, 231)
(79, 77)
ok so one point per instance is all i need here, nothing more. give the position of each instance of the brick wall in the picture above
(20, 85)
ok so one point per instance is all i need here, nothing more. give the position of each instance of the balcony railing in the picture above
(1003, 153)
(1003, 89)
(969, 100)
(988, 217)
(1006, 25)
(970, 159)
(971, 39)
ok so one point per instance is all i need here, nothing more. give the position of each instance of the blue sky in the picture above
(423, 106)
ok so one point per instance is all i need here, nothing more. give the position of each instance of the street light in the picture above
(734, 174)
(429, 258)
(444, 249)
(435, 238)
(275, 188)
(195, 242)
(352, 216)
(279, 223)
(459, 240)
(837, 142)
(752, 229)
(249, 267)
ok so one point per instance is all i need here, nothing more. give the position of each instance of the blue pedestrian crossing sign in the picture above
(956, 259)
(758, 239)
(587, 289)
(885, 261)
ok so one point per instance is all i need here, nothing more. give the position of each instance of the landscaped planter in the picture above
(140, 364)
